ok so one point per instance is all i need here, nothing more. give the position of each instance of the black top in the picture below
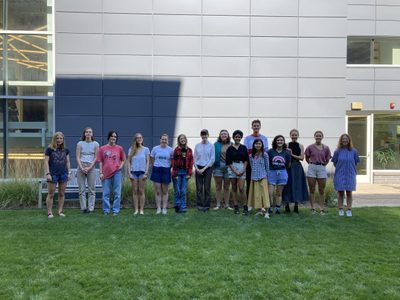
(295, 149)
(239, 155)
(57, 161)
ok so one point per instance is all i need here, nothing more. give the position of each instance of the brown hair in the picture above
(340, 144)
(83, 137)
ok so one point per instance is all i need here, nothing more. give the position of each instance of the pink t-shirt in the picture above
(318, 156)
(111, 158)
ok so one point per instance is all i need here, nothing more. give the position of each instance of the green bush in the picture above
(330, 194)
(17, 193)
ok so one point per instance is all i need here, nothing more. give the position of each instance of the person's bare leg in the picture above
(218, 190)
(141, 194)
(157, 189)
(61, 196)
(226, 192)
(50, 196)
(311, 186)
(321, 190)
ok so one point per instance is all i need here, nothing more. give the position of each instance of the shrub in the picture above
(16, 193)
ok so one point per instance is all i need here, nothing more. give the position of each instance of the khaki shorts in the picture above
(317, 171)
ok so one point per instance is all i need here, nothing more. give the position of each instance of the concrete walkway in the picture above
(376, 195)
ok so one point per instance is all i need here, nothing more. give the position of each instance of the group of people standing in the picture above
(257, 177)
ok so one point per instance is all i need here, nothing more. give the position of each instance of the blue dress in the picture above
(345, 161)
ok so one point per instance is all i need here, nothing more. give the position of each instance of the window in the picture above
(387, 141)
(379, 51)
(26, 82)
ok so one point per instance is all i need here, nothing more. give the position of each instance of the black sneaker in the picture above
(296, 209)
(245, 210)
(277, 211)
(287, 208)
(237, 210)
(85, 211)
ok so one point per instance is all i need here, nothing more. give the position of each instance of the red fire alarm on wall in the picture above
(392, 105)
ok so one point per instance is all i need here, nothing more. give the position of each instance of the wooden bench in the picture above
(72, 186)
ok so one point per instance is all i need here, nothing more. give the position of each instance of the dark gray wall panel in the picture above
(127, 126)
(128, 106)
(79, 105)
(128, 87)
(78, 86)
(73, 125)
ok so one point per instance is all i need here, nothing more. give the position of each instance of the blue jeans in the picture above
(114, 183)
(180, 188)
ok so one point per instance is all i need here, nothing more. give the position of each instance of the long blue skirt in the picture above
(296, 189)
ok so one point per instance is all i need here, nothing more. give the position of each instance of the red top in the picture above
(111, 157)
(182, 160)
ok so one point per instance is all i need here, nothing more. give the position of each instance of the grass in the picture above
(215, 255)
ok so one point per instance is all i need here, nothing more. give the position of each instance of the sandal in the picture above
(322, 212)
(50, 215)
(313, 211)
(61, 214)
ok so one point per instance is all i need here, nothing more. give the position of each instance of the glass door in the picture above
(359, 128)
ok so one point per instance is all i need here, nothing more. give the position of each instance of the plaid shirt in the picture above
(259, 167)
(180, 162)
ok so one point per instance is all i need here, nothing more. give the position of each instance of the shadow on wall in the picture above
(125, 105)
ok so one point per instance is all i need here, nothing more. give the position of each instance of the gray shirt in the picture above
(88, 150)
(138, 161)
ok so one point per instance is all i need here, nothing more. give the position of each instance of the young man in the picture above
(204, 156)
(248, 142)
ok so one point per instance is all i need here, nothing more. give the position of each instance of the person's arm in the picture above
(212, 157)
(47, 167)
(288, 160)
(122, 158)
(78, 157)
(173, 163)
(190, 164)
(146, 172)
(335, 158)
(101, 170)
(93, 163)
(356, 157)
(307, 155)
(69, 167)
(246, 162)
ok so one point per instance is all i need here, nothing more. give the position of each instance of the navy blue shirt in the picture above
(279, 160)
(57, 161)
(236, 155)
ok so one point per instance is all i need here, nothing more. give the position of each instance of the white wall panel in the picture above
(274, 7)
(128, 44)
(177, 65)
(225, 66)
(127, 23)
(226, 25)
(88, 64)
(388, 12)
(321, 87)
(226, 46)
(388, 28)
(225, 87)
(127, 65)
(189, 86)
(273, 87)
(273, 67)
(274, 46)
(359, 87)
(82, 22)
(214, 125)
(273, 107)
(226, 107)
(176, 6)
(366, 100)
(321, 107)
(177, 45)
(387, 87)
(125, 6)
(363, 73)
(180, 25)
(360, 27)
(322, 67)
(274, 26)
(271, 127)
(387, 73)
(331, 127)
(321, 8)
(79, 43)
(322, 47)
(361, 12)
(226, 7)
(322, 27)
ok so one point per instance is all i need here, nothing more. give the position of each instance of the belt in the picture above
(318, 164)
(237, 161)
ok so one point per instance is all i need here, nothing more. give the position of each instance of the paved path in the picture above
(376, 195)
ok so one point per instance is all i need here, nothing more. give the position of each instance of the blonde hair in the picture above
(340, 144)
(134, 146)
(294, 130)
(53, 143)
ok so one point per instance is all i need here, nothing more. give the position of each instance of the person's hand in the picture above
(69, 175)
(290, 151)
(101, 176)
(188, 177)
(145, 176)
(48, 178)
(199, 171)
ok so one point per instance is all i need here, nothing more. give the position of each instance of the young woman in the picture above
(296, 189)
(138, 166)
(182, 166)
(220, 169)
(237, 159)
(58, 171)
(258, 194)
(204, 156)
(160, 157)
(111, 158)
(86, 152)
(279, 162)
(317, 157)
(345, 159)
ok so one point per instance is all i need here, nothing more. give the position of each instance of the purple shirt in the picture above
(318, 156)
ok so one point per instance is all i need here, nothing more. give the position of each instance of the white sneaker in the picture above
(348, 213)
(216, 208)
(158, 211)
(228, 208)
(164, 211)
(266, 216)
(341, 212)
(249, 208)
(259, 213)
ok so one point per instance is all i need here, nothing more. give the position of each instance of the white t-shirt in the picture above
(138, 161)
(162, 156)
(88, 150)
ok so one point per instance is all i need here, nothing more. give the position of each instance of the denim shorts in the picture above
(221, 171)
(137, 175)
(277, 177)
(59, 178)
(317, 171)
(239, 166)
(161, 175)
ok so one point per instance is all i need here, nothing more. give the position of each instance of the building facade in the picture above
(178, 66)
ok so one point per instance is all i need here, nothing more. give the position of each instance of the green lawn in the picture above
(215, 255)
